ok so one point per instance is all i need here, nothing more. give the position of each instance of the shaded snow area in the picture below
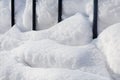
(60, 51)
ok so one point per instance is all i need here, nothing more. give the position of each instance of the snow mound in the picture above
(20, 63)
(49, 54)
(109, 44)
(22, 72)
(11, 39)
(69, 32)
(75, 30)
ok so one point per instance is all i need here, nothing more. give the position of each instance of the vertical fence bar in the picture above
(12, 12)
(95, 19)
(34, 14)
(60, 10)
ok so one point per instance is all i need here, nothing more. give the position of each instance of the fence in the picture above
(95, 13)
(12, 12)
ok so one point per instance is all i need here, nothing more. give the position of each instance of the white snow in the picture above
(69, 32)
(59, 51)
(37, 53)
(54, 60)
(5, 21)
(27, 15)
(109, 13)
(11, 39)
(109, 43)
(54, 55)
(47, 12)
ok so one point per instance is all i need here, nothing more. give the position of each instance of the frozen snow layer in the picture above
(109, 13)
(109, 43)
(49, 54)
(75, 30)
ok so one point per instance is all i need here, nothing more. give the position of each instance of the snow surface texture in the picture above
(64, 51)
(69, 32)
(109, 43)
(37, 56)
(59, 62)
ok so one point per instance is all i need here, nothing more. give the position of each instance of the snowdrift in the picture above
(47, 59)
(109, 44)
(63, 51)
(47, 13)
(35, 54)
(68, 32)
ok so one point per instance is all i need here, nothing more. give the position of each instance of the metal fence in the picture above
(12, 12)
(95, 17)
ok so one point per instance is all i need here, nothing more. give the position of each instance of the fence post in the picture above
(95, 19)
(60, 10)
(12, 12)
(34, 14)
